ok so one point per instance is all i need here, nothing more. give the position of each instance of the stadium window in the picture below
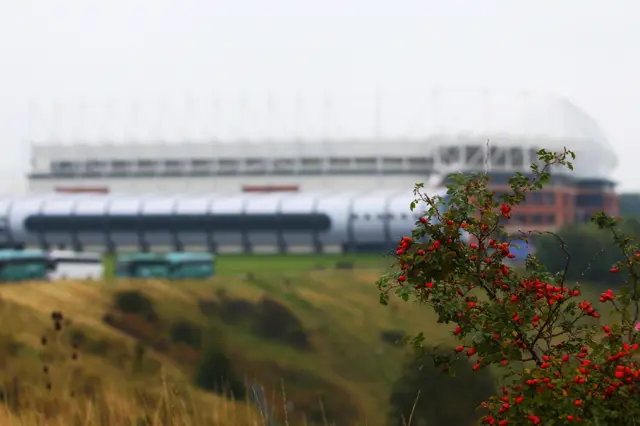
(63, 167)
(93, 166)
(228, 165)
(201, 165)
(173, 165)
(367, 216)
(420, 164)
(403, 216)
(537, 219)
(270, 188)
(119, 166)
(391, 164)
(339, 163)
(354, 216)
(366, 164)
(551, 219)
(284, 165)
(313, 222)
(146, 166)
(311, 164)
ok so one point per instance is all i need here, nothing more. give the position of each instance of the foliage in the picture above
(186, 332)
(556, 368)
(134, 302)
(215, 373)
(592, 251)
(275, 321)
(426, 396)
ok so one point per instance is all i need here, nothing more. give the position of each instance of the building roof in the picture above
(352, 126)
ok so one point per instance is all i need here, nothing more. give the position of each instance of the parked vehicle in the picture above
(175, 265)
(24, 265)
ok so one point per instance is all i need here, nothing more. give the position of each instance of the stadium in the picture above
(319, 191)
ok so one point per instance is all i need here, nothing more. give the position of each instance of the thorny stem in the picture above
(634, 278)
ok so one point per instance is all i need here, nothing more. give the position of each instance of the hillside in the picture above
(324, 346)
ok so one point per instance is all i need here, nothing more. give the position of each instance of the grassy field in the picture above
(344, 377)
(230, 264)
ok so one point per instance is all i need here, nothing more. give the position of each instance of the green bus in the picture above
(24, 265)
(173, 266)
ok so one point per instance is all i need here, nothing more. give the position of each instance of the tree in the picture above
(556, 368)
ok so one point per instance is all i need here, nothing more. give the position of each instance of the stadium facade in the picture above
(350, 191)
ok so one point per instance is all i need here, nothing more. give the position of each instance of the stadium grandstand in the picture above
(359, 153)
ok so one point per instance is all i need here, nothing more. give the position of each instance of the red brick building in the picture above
(564, 201)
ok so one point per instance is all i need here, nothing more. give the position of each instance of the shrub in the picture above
(556, 368)
(428, 397)
(188, 333)
(392, 336)
(134, 302)
(344, 264)
(275, 321)
(236, 311)
(214, 373)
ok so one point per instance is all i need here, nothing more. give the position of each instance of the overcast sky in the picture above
(119, 50)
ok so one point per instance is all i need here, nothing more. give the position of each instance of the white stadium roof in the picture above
(363, 125)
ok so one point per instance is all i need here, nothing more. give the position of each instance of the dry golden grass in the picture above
(340, 310)
(45, 385)
(121, 407)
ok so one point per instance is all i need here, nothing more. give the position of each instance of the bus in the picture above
(173, 266)
(70, 264)
(24, 265)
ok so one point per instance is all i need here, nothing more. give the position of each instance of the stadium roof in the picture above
(347, 126)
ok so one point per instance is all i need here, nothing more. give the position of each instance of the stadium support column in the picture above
(280, 241)
(247, 247)
(77, 246)
(142, 240)
(175, 232)
(211, 243)
(108, 240)
(318, 248)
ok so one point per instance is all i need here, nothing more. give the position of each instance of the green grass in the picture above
(230, 264)
(227, 264)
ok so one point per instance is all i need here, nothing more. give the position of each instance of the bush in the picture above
(392, 336)
(435, 399)
(215, 373)
(134, 302)
(275, 321)
(236, 311)
(188, 333)
(530, 323)
(344, 264)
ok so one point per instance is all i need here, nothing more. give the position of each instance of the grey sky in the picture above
(585, 50)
